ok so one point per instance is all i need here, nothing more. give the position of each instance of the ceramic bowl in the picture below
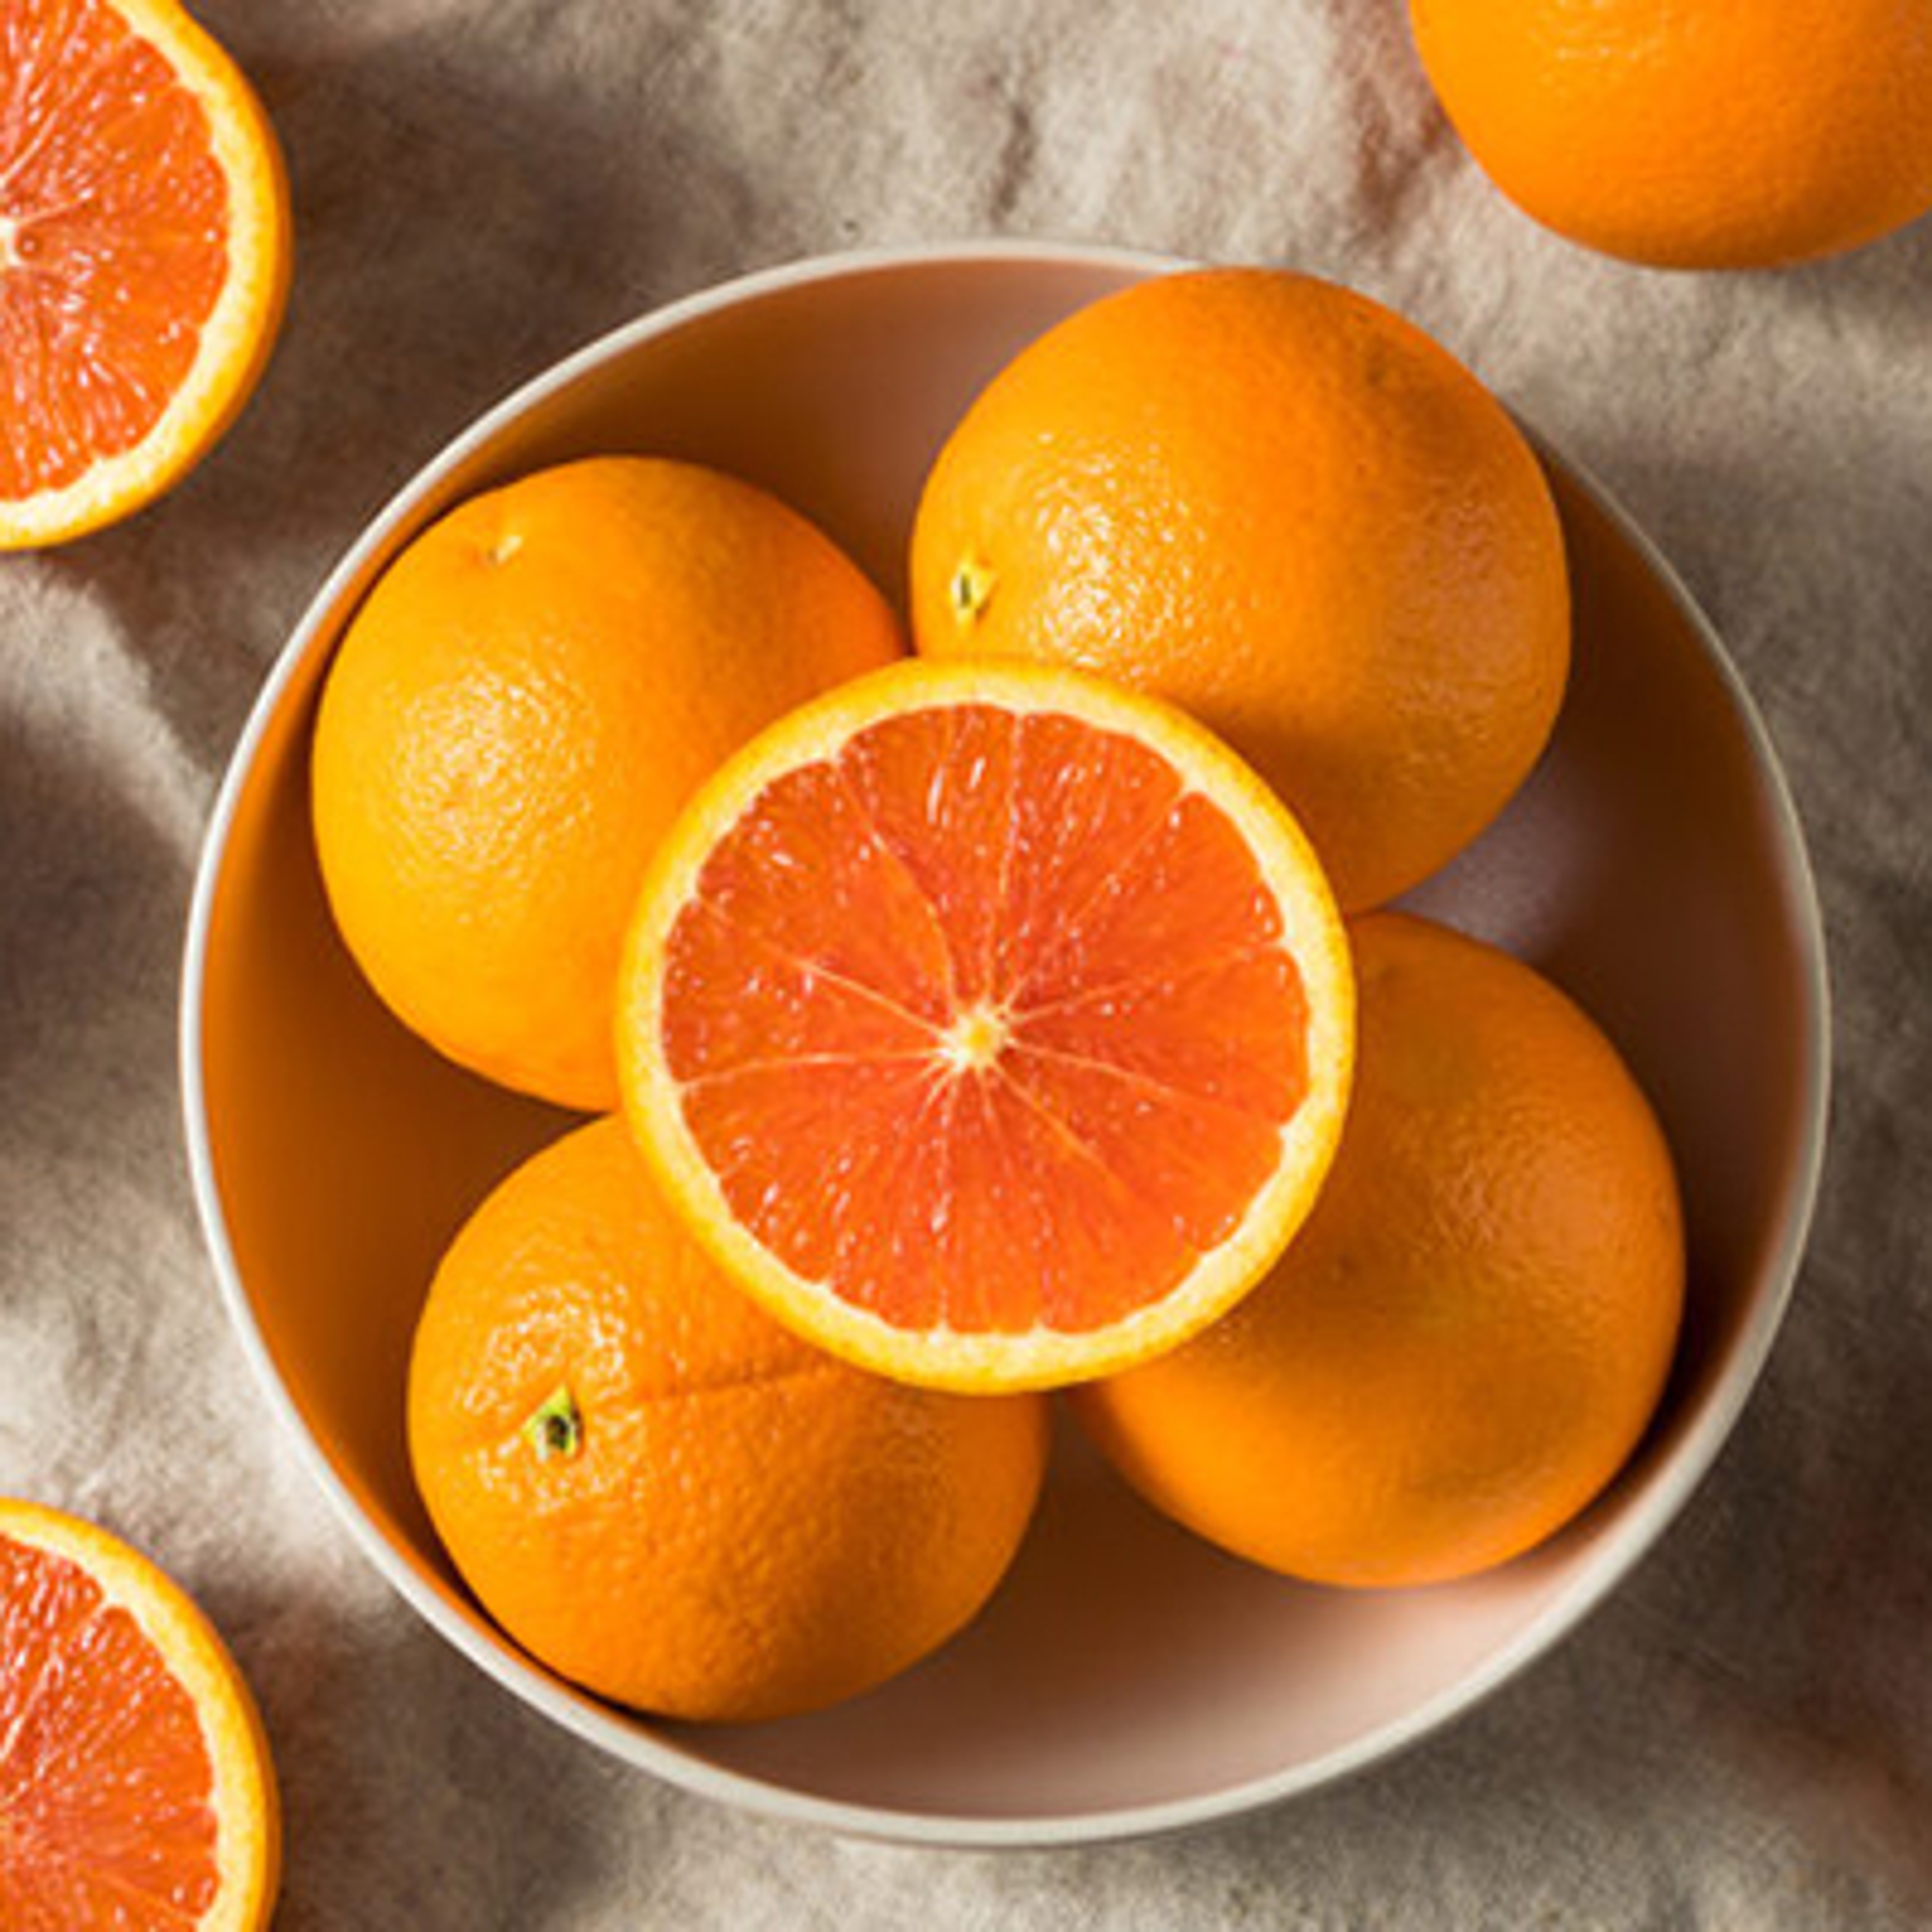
(1127, 1678)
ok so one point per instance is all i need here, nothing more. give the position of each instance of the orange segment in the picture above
(992, 1025)
(135, 1785)
(143, 257)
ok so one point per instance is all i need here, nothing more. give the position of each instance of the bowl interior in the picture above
(1127, 1676)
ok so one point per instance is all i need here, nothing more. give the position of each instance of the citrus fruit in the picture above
(1467, 1340)
(1694, 133)
(1288, 512)
(990, 1024)
(516, 714)
(136, 1788)
(667, 1497)
(144, 257)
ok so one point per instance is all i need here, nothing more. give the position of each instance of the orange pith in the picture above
(134, 1789)
(995, 1025)
(142, 256)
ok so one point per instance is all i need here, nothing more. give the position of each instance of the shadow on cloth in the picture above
(1888, 281)
(414, 1796)
(91, 898)
(95, 897)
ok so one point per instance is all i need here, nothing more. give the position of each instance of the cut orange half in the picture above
(136, 1789)
(144, 256)
(991, 1025)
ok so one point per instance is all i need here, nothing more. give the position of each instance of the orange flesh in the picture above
(105, 1777)
(113, 214)
(986, 1021)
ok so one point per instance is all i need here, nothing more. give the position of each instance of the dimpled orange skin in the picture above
(1284, 508)
(1468, 1338)
(748, 1528)
(1694, 133)
(515, 715)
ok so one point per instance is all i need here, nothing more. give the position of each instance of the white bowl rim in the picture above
(1614, 1557)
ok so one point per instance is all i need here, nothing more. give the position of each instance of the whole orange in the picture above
(1466, 1342)
(516, 712)
(1694, 133)
(1277, 505)
(667, 1498)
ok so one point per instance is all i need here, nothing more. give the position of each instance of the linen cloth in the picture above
(1743, 1737)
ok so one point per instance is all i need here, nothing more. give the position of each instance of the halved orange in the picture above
(991, 1024)
(136, 1788)
(144, 256)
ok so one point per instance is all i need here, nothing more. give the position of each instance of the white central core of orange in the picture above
(974, 1039)
(9, 253)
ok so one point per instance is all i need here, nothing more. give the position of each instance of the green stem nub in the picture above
(555, 1428)
(971, 590)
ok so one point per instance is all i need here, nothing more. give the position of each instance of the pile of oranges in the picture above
(974, 1030)
(1008, 1014)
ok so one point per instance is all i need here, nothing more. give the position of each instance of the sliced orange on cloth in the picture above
(144, 257)
(991, 1024)
(136, 1789)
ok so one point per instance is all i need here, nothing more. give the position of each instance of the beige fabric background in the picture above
(1743, 1738)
